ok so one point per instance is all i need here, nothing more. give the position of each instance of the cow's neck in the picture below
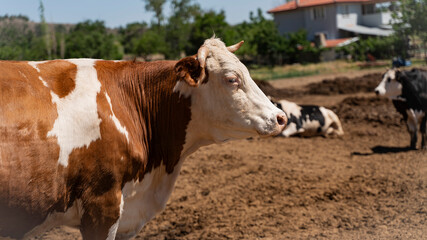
(161, 116)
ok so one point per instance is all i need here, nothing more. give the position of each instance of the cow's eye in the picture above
(233, 80)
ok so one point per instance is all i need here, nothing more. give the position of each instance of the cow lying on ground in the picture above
(408, 91)
(309, 120)
(99, 144)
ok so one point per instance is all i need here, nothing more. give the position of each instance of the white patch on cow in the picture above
(291, 108)
(43, 81)
(412, 121)
(70, 218)
(144, 199)
(291, 129)
(34, 65)
(113, 229)
(116, 121)
(183, 89)
(78, 123)
(332, 123)
(23, 75)
(414, 118)
(389, 86)
(311, 126)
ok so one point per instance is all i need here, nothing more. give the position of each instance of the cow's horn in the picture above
(235, 47)
(202, 54)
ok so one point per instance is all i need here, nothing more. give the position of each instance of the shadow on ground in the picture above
(383, 150)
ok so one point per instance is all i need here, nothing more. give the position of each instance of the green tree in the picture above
(129, 35)
(60, 34)
(205, 26)
(266, 38)
(410, 19)
(45, 32)
(297, 48)
(379, 47)
(149, 43)
(18, 41)
(91, 39)
(179, 25)
(157, 7)
(244, 31)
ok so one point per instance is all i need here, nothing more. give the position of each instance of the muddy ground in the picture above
(366, 185)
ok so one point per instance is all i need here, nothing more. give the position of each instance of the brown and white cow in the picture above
(99, 144)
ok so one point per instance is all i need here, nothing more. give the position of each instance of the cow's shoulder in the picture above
(401, 106)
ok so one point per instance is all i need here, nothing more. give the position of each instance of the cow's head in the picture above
(390, 85)
(226, 102)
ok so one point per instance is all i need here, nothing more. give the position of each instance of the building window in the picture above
(318, 13)
(368, 9)
(375, 8)
(345, 11)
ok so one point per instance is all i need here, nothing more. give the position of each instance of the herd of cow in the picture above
(99, 144)
(406, 89)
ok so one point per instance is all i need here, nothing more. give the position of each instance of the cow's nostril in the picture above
(281, 119)
(377, 92)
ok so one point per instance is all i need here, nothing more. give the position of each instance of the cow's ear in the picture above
(193, 69)
(188, 69)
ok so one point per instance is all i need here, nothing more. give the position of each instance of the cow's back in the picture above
(414, 88)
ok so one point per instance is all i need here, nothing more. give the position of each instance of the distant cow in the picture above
(408, 91)
(309, 120)
(99, 144)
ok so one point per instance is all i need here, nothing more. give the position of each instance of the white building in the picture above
(337, 21)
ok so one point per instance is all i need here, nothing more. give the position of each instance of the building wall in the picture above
(376, 19)
(327, 25)
(288, 22)
(335, 15)
(353, 16)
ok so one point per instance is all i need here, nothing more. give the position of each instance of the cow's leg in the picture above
(101, 216)
(412, 134)
(414, 137)
(290, 130)
(412, 125)
(423, 129)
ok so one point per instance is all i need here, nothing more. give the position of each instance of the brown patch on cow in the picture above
(60, 76)
(30, 182)
(42, 130)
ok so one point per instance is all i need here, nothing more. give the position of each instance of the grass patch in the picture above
(300, 70)
(339, 66)
(272, 75)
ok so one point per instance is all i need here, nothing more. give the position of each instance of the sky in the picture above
(117, 13)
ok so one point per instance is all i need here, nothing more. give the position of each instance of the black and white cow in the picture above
(408, 91)
(309, 120)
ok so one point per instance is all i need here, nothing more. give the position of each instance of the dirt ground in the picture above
(365, 185)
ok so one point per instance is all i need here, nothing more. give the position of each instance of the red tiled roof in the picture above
(334, 42)
(311, 3)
